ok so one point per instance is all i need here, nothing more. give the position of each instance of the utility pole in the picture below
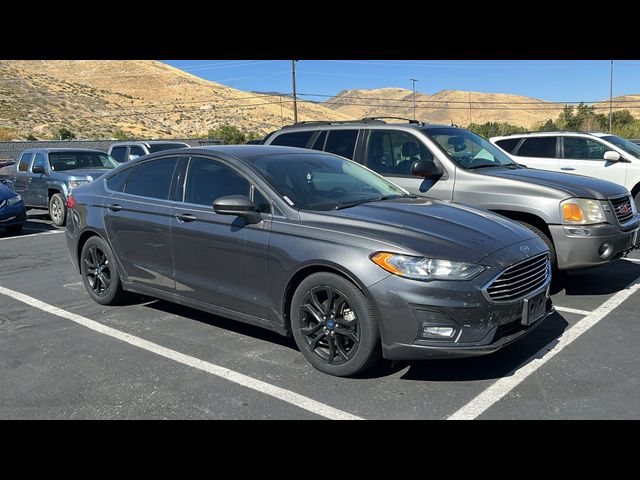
(414, 97)
(295, 100)
(611, 100)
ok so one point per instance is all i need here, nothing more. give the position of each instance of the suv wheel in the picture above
(334, 325)
(57, 210)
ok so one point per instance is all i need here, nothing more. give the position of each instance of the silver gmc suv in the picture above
(586, 222)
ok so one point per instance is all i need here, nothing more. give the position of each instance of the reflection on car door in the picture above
(583, 156)
(138, 223)
(38, 196)
(219, 259)
(391, 153)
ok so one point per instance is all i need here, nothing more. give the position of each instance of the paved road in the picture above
(177, 362)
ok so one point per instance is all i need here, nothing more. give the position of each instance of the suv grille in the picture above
(622, 208)
(520, 279)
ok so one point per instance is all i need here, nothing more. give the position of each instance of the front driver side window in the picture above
(393, 153)
(208, 180)
(582, 149)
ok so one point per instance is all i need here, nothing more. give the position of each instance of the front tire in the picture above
(57, 210)
(334, 325)
(99, 272)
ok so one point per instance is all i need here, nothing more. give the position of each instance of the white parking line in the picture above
(584, 313)
(502, 387)
(32, 235)
(288, 396)
(634, 260)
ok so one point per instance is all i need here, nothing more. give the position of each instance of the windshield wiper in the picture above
(369, 200)
(493, 165)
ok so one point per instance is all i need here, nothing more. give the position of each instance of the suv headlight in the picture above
(77, 183)
(421, 268)
(582, 211)
(14, 200)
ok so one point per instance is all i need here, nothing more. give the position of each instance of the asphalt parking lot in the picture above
(62, 356)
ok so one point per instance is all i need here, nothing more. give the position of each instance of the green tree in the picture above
(493, 129)
(31, 137)
(120, 135)
(63, 133)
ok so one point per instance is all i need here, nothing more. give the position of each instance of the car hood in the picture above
(6, 193)
(572, 185)
(428, 227)
(85, 172)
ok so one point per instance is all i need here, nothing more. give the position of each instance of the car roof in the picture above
(62, 150)
(550, 133)
(365, 122)
(147, 142)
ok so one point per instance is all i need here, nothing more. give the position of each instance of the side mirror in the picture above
(237, 205)
(425, 168)
(612, 156)
(38, 169)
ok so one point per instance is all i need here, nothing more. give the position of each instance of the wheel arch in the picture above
(530, 218)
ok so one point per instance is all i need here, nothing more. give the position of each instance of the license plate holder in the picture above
(534, 307)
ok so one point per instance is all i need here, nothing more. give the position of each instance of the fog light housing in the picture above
(432, 331)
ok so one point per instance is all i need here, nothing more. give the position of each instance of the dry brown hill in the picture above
(622, 102)
(446, 106)
(145, 98)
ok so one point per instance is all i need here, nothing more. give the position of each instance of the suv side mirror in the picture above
(38, 169)
(237, 205)
(611, 156)
(425, 168)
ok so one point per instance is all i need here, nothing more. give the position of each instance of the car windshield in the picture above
(61, 161)
(159, 147)
(469, 150)
(625, 145)
(320, 182)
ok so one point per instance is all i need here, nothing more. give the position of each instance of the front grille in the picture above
(622, 208)
(520, 279)
(2, 202)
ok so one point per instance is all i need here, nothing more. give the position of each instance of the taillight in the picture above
(70, 201)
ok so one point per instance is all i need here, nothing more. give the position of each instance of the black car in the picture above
(313, 245)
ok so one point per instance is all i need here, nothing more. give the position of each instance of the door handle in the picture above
(114, 207)
(186, 217)
(568, 169)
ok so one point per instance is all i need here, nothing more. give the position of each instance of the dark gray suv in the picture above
(313, 245)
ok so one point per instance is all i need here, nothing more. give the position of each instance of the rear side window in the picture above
(23, 166)
(342, 142)
(119, 154)
(319, 143)
(293, 139)
(508, 144)
(152, 179)
(117, 182)
(544, 147)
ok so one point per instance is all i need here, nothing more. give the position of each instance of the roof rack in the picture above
(549, 131)
(376, 120)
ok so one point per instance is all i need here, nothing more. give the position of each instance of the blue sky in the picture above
(554, 80)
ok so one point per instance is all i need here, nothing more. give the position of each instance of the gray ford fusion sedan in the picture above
(311, 245)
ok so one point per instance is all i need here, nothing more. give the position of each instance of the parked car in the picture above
(585, 222)
(12, 212)
(6, 163)
(313, 245)
(599, 155)
(127, 151)
(45, 177)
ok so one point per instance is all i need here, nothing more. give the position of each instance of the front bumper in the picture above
(13, 215)
(481, 326)
(593, 246)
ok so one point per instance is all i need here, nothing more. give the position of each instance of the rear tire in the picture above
(99, 272)
(57, 210)
(334, 325)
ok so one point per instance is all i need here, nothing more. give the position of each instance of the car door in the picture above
(137, 219)
(38, 195)
(585, 156)
(391, 153)
(538, 152)
(21, 181)
(220, 259)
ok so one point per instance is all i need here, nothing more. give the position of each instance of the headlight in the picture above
(77, 183)
(14, 200)
(582, 211)
(420, 268)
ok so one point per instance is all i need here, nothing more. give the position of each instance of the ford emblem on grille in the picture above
(524, 249)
